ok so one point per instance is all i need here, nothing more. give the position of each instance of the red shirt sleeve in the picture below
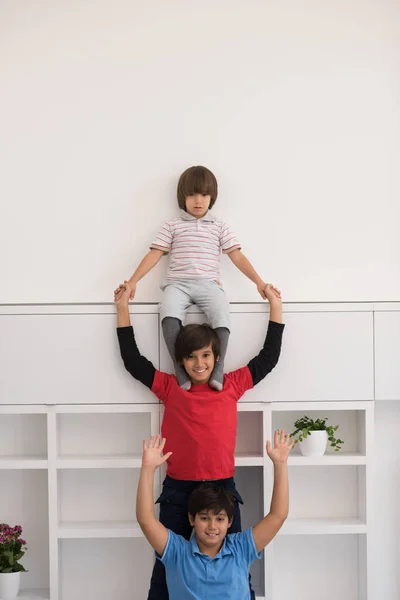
(162, 385)
(241, 380)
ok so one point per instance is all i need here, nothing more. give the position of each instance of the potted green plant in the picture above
(12, 549)
(313, 436)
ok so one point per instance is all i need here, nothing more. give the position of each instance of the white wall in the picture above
(295, 106)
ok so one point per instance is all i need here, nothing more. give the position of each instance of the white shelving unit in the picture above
(70, 446)
(89, 475)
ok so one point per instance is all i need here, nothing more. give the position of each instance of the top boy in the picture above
(194, 241)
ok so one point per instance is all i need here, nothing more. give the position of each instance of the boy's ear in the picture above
(191, 520)
(230, 523)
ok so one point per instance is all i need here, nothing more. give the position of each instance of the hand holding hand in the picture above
(282, 447)
(125, 291)
(152, 453)
(268, 291)
(272, 293)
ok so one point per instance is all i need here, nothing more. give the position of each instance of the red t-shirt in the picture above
(200, 425)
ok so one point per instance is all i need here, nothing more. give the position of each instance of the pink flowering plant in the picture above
(12, 548)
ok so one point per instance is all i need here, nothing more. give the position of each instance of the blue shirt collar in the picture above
(186, 217)
(223, 552)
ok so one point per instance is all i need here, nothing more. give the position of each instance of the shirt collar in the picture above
(226, 549)
(186, 217)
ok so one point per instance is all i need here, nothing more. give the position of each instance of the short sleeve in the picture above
(163, 239)
(243, 546)
(227, 240)
(162, 385)
(173, 549)
(241, 380)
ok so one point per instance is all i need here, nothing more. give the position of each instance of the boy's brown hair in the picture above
(194, 337)
(197, 180)
(209, 496)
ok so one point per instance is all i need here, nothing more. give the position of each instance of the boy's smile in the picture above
(197, 205)
(200, 364)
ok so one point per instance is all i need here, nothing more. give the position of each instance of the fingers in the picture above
(282, 437)
(273, 289)
(276, 437)
(156, 442)
(166, 456)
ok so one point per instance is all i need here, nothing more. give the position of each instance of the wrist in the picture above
(280, 466)
(122, 308)
(149, 469)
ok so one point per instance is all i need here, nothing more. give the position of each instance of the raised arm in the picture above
(244, 265)
(267, 529)
(146, 264)
(137, 365)
(266, 360)
(156, 534)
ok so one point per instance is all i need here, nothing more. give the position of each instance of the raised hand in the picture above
(282, 447)
(152, 453)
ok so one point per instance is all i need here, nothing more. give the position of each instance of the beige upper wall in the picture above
(294, 106)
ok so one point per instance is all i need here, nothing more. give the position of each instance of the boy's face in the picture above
(200, 364)
(210, 529)
(197, 205)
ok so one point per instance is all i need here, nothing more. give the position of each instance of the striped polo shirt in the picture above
(195, 245)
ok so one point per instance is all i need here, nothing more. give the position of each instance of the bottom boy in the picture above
(212, 563)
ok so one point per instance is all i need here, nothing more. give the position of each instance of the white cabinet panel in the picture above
(387, 355)
(61, 358)
(325, 355)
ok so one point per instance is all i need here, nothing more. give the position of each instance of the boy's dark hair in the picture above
(197, 180)
(193, 337)
(209, 496)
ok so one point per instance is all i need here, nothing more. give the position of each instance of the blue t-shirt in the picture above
(192, 575)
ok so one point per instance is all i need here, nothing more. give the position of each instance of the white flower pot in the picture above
(314, 444)
(9, 585)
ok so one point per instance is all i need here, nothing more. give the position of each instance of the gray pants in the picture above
(206, 294)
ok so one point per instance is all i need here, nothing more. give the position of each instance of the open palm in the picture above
(282, 446)
(152, 452)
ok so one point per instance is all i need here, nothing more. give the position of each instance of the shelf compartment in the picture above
(24, 502)
(330, 564)
(102, 434)
(104, 569)
(249, 439)
(23, 435)
(352, 428)
(97, 495)
(337, 492)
